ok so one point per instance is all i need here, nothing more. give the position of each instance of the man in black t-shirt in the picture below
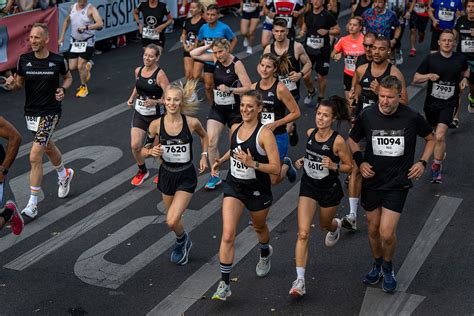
(40, 72)
(446, 73)
(387, 169)
(154, 24)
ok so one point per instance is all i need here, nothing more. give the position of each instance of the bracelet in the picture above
(358, 158)
(338, 165)
(204, 153)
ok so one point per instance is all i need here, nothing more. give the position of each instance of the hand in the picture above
(160, 28)
(299, 163)
(140, 28)
(366, 170)
(294, 76)
(215, 167)
(223, 88)
(393, 42)
(407, 15)
(374, 86)
(130, 102)
(322, 32)
(435, 23)
(416, 171)
(352, 94)
(326, 162)
(337, 57)
(10, 82)
(433, 77)
(203, 164)
(61, 41)
(296, 14)
(156, 151)
(150, 102)
(271, 126)
(464, 83)
(81, 29)
(244, 157)
(59, 94)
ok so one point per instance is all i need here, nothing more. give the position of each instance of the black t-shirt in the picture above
(391, 142)
(445, 91)
(153, 17)
(316, 44)
(192, 30)
(466, 41)
(41, 81)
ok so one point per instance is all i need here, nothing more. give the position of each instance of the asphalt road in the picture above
(105, 249)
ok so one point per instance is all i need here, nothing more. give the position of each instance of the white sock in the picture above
(353, 203)
(300, 272)
(61, 171)
(34, 195)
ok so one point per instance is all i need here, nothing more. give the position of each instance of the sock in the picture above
(264, 250)
(353, 203)
(34, 195)
(181, 238)
(387, 266)
(378, 261)
(61, 171)
(7, 215)
(300, 272)
(142, 168)
(225, 272)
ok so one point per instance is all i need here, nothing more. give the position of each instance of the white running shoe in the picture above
(264, 264)
(246, 42)
(65, 184)
(249, 50)
(333, 237)
(349, 222)
(298, 288)
(31, 210)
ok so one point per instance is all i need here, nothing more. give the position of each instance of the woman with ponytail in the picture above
(170, 139)
(326, 155)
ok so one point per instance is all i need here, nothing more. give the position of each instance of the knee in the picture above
(213, 141)
(303, 236)
(36, 158)
(172, 223)
(260, 229)
(228, 238)
(136, 147)
(208, 85)
(373, 231)
(387, 236)
(440, 137)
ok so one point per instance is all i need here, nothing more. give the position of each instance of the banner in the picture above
(15, 31)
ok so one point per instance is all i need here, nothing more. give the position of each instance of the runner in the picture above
(326, 155)
(288, 10)
(333, 6)
(85, 20)
(387, 169)
(443, 16)
(8, 209)
(318, 25)
(40, 71)
(191, 27)
(170, 139)
(253, 156)
(352, 47)
(250, 10)
(213, 30)
(277, 99)
(398, 7)
(360, 7)
(230, 80)
(447, 73)
(150, 82)
(418, 21)
(156, 18)
(465, 33)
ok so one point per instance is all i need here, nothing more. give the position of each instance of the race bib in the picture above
(441, 91)
(177, 153)
(78, 47)
(315, 42)
(249, 7)
(241, 171)
(150, 33)
(289, 20)
(388, 143)
(223, 98)
(467, 46)
(446, 15)
(141, 108)
(267, 117)
(32, 123)
(420, 8)
(208, 41)
(350, 63)
(287, 82)
(315, 169)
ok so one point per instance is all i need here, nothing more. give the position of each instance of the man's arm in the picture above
(9, 132)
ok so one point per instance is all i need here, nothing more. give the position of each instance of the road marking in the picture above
(378, 303)
(193, 288)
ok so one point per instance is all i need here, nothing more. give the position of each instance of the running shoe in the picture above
(374, 275)
(155, 179)
(349, 222)
(16, 222)
(89, 66)
(65, 184)
(389, 283)
(399, 57)
(31, 210)
(412, 52)
(293, 136)
(435, 172)
(213, 183)
(470, 107)
(82, 92)
(309, 97)
(223, 292)
(264, 264)
(298, 288)
(291, 173)
(249, 50)
(181, 250)
(140, 177)
(246, 42)
(454, 123)
(333, 237)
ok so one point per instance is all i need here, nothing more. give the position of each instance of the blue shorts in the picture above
(282, 144)
(267, 26)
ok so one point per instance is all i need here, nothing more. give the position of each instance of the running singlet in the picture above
(273, 108)
(238, 171)
(294, 87)
(79, 18)
(421, 8)
(250, 6)
(380, 24)
(153, 17)
(147, 88)
(391, 145)
(284, 9)
(351, 49)
(368, 97)
(208, 35)
(41, 81)
(445, 12)
(466, 40)
(313, 158)
(192, 30)
(316, 44)
(226, 75)
(177, 150)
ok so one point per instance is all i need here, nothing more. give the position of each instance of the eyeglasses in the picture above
(368, 45)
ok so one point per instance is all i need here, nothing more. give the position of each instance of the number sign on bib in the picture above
(420, 8)
(388, 143)
(350, 62)
(446, 15)
(441, 91)
(78, 47)
(223, 98)
(467, 46)
(315, 42)
(141, 108)
(314, 168)
(249, 7)
(32, 123)
(241, 171)
(150, 33)
(287, 82)
(267, 117)
(177, 153)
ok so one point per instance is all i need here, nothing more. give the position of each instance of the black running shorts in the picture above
(393, 200)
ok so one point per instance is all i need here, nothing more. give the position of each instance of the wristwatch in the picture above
(257, 164)
(424, 162)
(3, 170)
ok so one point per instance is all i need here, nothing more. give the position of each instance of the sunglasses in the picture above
(368, 45)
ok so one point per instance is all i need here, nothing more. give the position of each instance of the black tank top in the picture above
(360, 9)
(2, 154)
(273, 108)
(368, 97)
(315, 151)
(192, 30)
(239, 173)
(147, 88)
(226, 76)
(294, 87)
(177, 150)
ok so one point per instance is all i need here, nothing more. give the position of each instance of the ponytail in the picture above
(339, 106)
(190, 101)
(284, 64)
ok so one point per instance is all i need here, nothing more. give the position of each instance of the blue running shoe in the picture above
(291, 173)
(389, 283)
(435, 172)
(212, 183)
(181, 250)
(374, 275)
